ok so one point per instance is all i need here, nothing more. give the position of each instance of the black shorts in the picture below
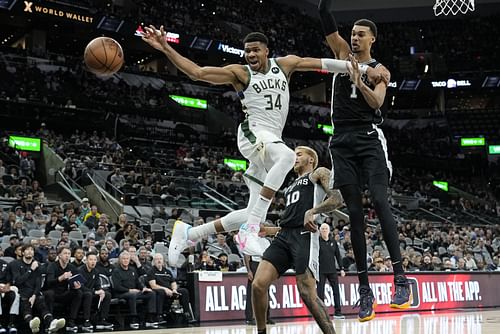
(294, 248)
(360, 157)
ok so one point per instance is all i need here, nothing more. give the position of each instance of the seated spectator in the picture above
(93, 293)
(222, 262)
(27, 277)
(113, 249)
(123, 232)
(60, 290)
(470, 263)
(42, 251)
(10, 251)
(78, 255)
(427, 265)
(144, 259)
(28, 221)
(19, 230)
(117, 179)
(100, 233)
(91, 219)
(128, 286)
(219, 246)
(40, 218)
(161, 280)
(9, 297)
(206, 262)
(103, 265)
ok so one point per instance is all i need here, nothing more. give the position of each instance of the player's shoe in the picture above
(35, 325)
(249, 242)
(403, 297)
(366, 304)
(178, 242)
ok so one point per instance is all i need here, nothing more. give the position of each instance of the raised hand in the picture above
(354, 72)
(157, 38)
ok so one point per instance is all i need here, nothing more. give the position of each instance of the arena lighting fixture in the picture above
(236, 164)
(409, 84)
(7, 4)
(491, 82)
(327, 129)
(479, 141)
(494, 149)
(25, 143)
(190, 102)
(443, 185)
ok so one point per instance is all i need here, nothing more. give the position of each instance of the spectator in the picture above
(219, 246)
(126, 285)
(91, 219)
(103, 265)
(161, 280)
(9, 297)
(78, 255)
(60, 289)
(117, 179)
(27, 277)
(93, 293)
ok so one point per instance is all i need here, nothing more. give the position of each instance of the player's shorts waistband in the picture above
(340, 129)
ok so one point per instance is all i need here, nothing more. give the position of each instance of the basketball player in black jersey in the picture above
(359, 151)
(297, 243)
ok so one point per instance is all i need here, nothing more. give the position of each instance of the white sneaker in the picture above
(249, 242)
(178, 242)
(56, 325)
(35, 325)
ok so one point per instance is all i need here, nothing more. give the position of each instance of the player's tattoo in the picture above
(307, 289)
(334, 200)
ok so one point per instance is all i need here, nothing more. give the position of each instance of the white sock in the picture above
(233, 220)
(259, 211)
(198, 232)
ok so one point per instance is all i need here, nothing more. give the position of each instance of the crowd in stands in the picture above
(293, 32)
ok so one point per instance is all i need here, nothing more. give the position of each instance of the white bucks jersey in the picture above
(266, 99)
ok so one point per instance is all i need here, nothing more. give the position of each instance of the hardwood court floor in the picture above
(446, 322)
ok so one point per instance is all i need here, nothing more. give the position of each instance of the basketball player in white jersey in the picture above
(262, 86)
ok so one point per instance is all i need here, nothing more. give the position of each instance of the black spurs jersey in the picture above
(349, 106)
(302, 195)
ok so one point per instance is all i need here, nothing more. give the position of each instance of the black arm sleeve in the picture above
(327, 19)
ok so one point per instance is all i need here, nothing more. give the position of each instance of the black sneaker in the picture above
(134, 323)
(250, 322)
(87, 327)
(103, 324)
(402, 298)
(270, 322)
(2, 330)
(71, 326)
(12, 329)
(338, 315)
(366, 304)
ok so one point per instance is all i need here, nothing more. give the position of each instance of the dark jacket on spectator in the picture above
(124, 280)
(55, 270)
(28, 282)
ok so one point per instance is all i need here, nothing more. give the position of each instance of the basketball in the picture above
(103, 56)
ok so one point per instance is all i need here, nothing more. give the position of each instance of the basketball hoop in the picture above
(454, 7)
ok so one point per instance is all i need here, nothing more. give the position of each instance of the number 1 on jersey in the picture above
(354, 94)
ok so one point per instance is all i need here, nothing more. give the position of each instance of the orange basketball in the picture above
(103, 56)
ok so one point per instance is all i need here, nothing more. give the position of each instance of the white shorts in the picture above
(251, 143)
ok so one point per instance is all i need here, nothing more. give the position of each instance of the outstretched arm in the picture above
(231, 74)
(339, 46)
(293, 63)
(334, 200)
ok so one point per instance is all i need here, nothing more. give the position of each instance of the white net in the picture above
(454, 7)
